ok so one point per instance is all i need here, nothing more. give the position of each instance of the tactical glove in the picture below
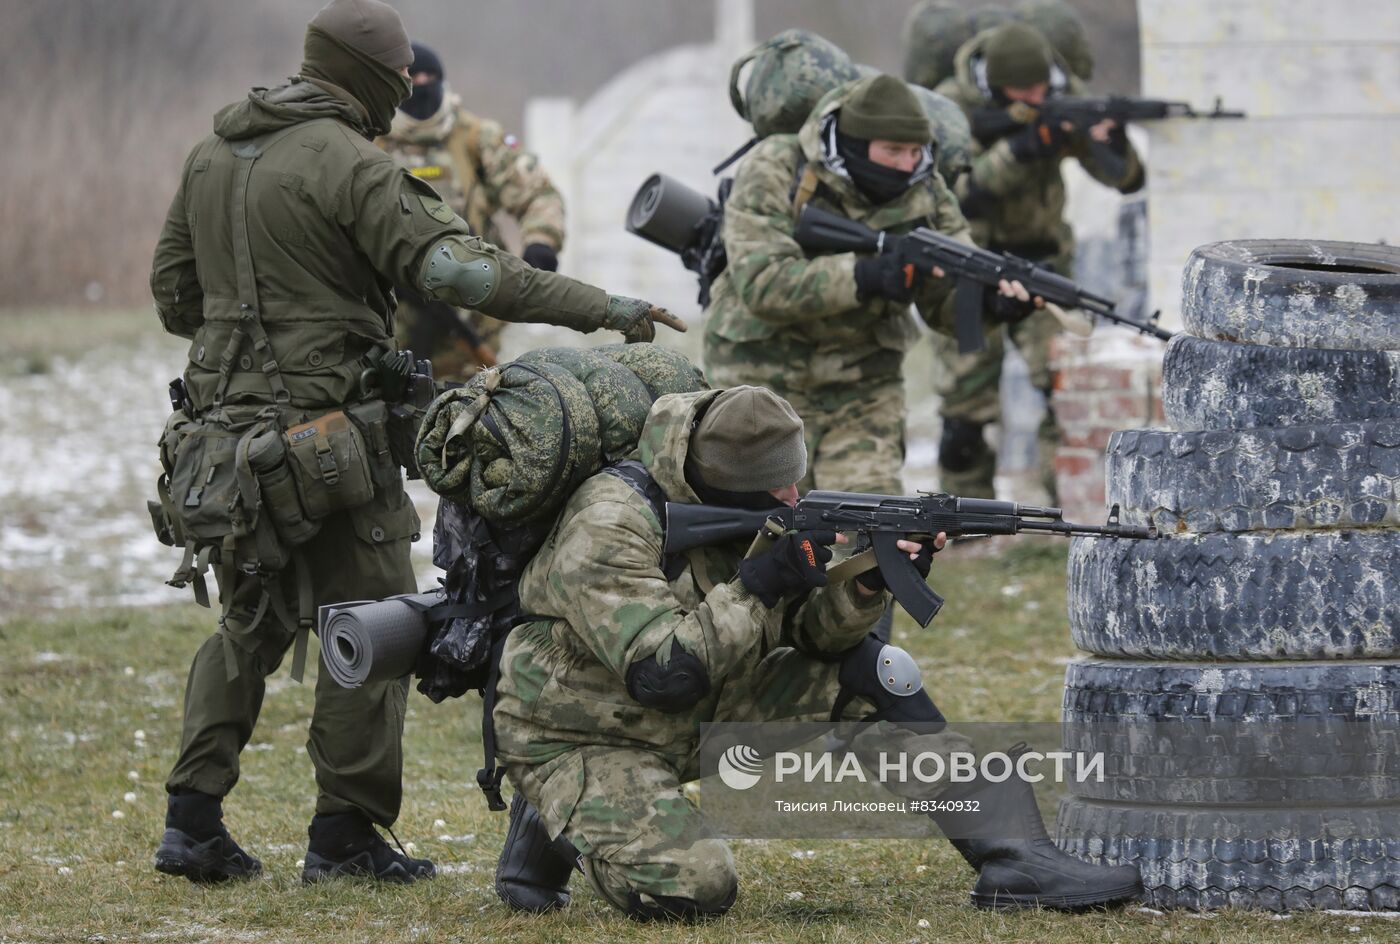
(874, 580)
(886, 276)
(541, 257)
(1005, 310)
(1035, 142)
(637, 319)
(796, 562)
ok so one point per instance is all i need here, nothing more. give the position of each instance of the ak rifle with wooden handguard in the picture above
(880, 522)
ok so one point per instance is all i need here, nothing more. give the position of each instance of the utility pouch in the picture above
(270, 464)
(163, 518)
(330, 464)
(371, 417)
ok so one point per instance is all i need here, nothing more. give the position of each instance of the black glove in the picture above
(1035, 142)
(886, 276)
(795, 562)
(541, 257)
(1006, 310)
(874, 580)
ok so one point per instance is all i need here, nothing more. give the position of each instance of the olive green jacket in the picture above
(1022, 204)
(597, 582)
(771, 288)
(332, 225)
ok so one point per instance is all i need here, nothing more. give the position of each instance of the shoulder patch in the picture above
(436, 209)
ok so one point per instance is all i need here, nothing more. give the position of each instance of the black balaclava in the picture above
(426, 98)
(878, 183)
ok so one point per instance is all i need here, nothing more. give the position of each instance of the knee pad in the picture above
(677, 686)
(961, 445)
(889, 677)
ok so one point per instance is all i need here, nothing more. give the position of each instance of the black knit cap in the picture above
(425, 61)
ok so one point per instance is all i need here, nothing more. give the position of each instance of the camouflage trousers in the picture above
(852, 414)
(974, 400)
(646, 847)
(428, 336)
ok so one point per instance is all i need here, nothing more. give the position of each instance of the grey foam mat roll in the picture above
(376, 640)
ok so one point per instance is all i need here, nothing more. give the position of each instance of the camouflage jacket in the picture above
(479, 170)
(332, 226)
(599, 585)
(1024, 207)
(772, 289)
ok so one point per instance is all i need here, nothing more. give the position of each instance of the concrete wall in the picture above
(1316, 158)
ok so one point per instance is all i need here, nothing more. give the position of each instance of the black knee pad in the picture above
(961, 445)
(889, 677)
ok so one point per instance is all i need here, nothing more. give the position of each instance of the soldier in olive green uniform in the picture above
(277, 261)
(1014, 199)
(600, 699)
(829, 332)
(478, 169)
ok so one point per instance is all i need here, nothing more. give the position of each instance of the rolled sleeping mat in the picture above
(375, 640)
(665, 212)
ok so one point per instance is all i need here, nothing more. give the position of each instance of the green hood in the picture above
(666, 440)
(266, 110)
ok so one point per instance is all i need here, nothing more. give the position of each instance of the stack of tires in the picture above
(1270, 602)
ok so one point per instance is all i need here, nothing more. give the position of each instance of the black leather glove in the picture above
(796, 562)
(1006, 310)
(541, 257)
(874, 580)
(1035, 142)
(886, 276)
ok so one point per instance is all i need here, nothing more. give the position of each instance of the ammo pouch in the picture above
(330, 464)
(242, 496)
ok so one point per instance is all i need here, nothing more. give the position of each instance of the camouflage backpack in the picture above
(790, 73)
(505, 451)
(933, 33)
(1060, 24)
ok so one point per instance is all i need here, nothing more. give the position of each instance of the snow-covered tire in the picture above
(1236, 734)
(1276, 860)
(1295, 293)
(1258, 596)
(1223, 385)
(1335, 475)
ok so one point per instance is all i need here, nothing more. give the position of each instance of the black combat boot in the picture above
(533, 871)
(1026, 870)
(196, 844)
(348, 844)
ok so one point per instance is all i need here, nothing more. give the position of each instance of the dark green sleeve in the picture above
(396, 220)
(174, 283)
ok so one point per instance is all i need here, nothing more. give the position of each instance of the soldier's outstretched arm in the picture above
(414, 238)
(775, 279)
(613, 594)
(1124, 171)
(174, 282)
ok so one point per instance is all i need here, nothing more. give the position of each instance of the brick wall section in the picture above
(1100, 386)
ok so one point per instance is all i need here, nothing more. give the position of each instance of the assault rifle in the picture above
(976, 270)
(880, 521)
(1082, 113)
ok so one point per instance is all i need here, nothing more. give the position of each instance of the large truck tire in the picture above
(1223, 385)
(1295, 293)
(1331, 476)
(1278, 860)
(1245, 734)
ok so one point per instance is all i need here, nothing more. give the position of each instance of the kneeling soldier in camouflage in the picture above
(601, 697)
